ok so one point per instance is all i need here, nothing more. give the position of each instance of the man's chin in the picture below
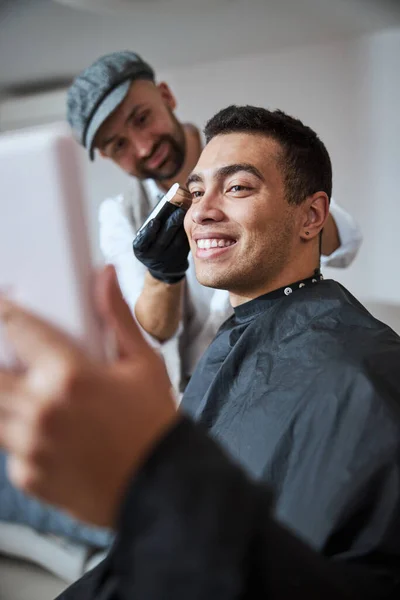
(163, 174)
(211, 281)
(168, 170)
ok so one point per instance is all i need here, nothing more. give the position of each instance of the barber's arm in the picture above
(341, 238)
(156, 303)
(163, 248)
(159, 308)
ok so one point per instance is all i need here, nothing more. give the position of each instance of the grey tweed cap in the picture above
(99, 89)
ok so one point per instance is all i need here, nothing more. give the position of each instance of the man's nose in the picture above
(207, 209)
(143, 145)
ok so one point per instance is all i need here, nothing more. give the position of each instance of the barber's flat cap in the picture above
(99, 89)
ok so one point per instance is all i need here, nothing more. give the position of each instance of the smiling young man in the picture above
(242, 225)
(301, 385)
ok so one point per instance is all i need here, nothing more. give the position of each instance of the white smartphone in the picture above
(45, 261)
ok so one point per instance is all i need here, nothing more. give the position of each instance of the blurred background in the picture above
(334, 64)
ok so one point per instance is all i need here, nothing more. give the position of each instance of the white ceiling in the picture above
(110, 6)
(50, 39)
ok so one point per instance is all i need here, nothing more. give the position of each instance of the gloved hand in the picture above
(163, 247)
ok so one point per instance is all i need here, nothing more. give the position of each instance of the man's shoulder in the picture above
(331, 304)
(332, 325)
(326, 345)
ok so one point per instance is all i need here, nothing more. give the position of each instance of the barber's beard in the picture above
(174, 160)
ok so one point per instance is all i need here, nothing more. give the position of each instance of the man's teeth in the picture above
(214, 243)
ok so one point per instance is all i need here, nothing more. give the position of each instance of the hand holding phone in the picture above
(161, 243)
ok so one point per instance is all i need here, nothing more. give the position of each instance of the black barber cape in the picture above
(303, 390)
(302, 387)
(193, 526)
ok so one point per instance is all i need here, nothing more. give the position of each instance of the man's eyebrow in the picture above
(103, 145)
(133, 113)
(194, 178)
(227, 171)
(131, 116)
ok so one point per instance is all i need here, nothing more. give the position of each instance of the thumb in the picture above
(32, 338)
(117, 314)
(177, 218)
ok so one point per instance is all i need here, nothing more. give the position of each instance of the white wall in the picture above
(349, 92)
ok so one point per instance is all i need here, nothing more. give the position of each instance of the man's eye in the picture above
(119, 146)
(238, 188)
(196, 194)
(142, 119)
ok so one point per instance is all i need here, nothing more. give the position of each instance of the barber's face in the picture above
(142, 135)
(240, 226)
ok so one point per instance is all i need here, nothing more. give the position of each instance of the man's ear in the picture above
(166, 94)
(316, 212)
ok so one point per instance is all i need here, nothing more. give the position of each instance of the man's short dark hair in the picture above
(304, 160)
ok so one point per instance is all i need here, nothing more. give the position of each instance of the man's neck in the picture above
(282, 280)
(193, 151)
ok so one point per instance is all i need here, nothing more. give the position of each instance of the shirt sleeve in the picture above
(116, 237)
(350, 239)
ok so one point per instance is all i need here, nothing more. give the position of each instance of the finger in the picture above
(32, 338)
(117, 314)
(27, 476)
(8, 383)
(16, 395)
(146, 237)
(8, 404)
(174, 227)
(12, 410)
(182, 242)
(13, 431)
(177, 218)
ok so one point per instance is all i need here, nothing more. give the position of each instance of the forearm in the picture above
(159, 307)
(330, 237)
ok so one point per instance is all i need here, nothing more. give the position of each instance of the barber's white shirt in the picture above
(204, 309)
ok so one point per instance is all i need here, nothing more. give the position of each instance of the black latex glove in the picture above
(163, 247)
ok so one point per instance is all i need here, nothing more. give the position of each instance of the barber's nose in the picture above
(143, 145)
(206, 209)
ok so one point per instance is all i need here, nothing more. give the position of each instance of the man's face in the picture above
(241, 229)
(142, 135)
